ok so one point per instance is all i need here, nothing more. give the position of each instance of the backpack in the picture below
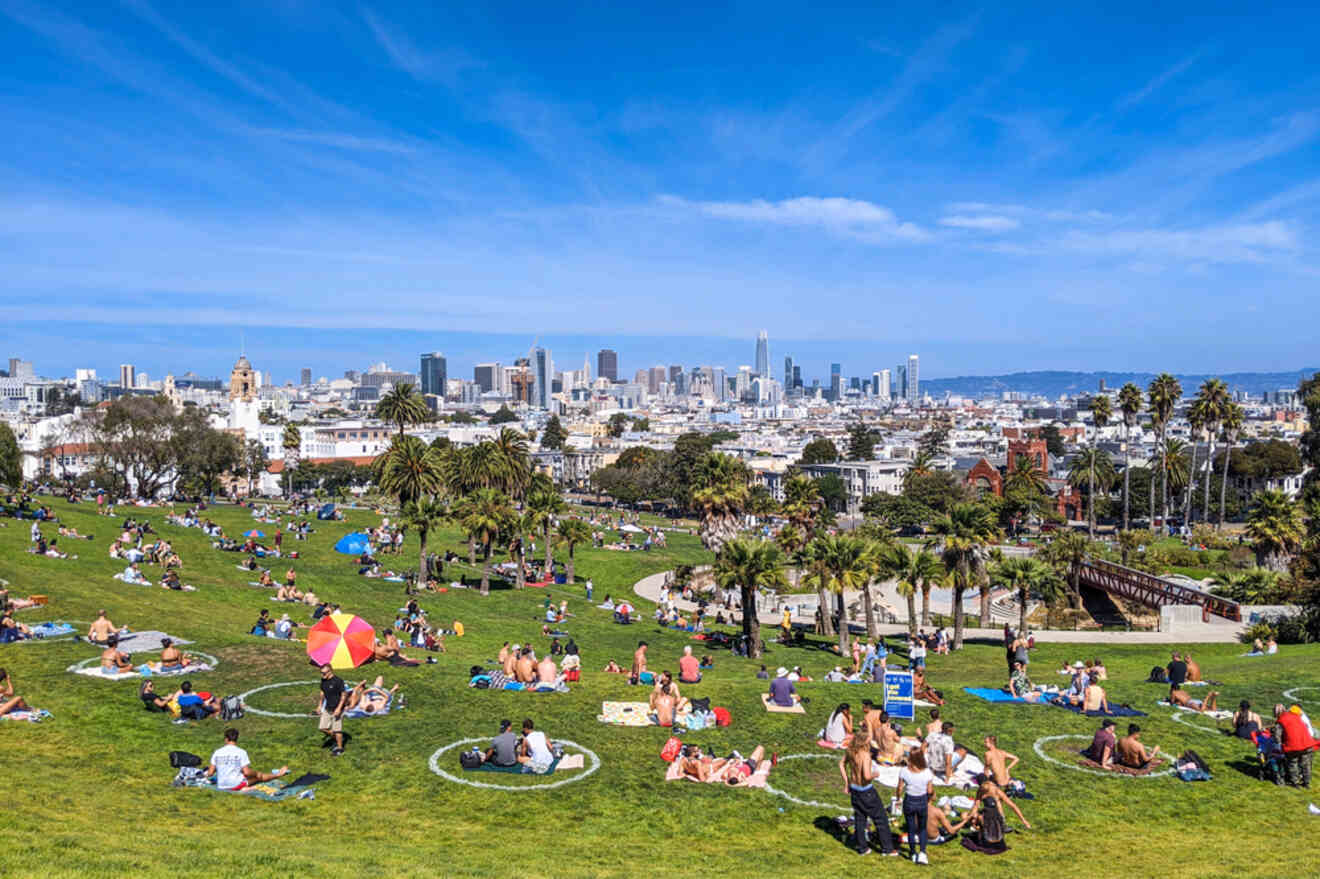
(1191, 767)
(573, 675)
(670, 751)
(469, 759)
(231, 708)
(1158, 675)
(696, 720)
(180, 759)
(701, 705)
(722, 716)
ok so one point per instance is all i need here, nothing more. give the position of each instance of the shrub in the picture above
(1262, 630)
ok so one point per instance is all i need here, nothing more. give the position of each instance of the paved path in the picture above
(650, 588)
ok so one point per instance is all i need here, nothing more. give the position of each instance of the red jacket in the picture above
(1296, 737)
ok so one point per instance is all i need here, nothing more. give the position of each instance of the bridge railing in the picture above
(1153, 591)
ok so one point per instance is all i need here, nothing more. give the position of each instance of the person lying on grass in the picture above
(11, 629)
(370, 698)
(700, 767)
(114, 660)
(1132, 753)
(613, 667)
(8, 701)
(1179, 698)
(232, 769)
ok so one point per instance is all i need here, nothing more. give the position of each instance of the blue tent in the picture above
(326, 512)
(352, 544)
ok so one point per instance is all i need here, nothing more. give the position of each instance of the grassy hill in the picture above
(89, 788)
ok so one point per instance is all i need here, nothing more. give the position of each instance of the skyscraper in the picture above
(788, 373)
(836, 381)
(127, 375)
(607, 364)
(763, 354)
(543, 374)
(487, 376)
(882, 389)
(719, 383)
(306, 377)
(900, 382)
(797, 377)
(913, 380)
(434, 373)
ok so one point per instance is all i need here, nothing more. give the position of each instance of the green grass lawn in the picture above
(89, 789)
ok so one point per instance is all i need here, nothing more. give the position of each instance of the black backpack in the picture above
(180, 759)
(702, 704)
(231, 708)
(1158, 675)
(469, 759)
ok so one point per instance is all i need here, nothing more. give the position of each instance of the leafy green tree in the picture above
(424, 515)
(502, 415)
(1129, 404)
(617, 424)
(1066, 553)
(641, 425)
(748, 565)
(11, 458)
(832, 492)
(1277, 529)
(486, 515)
(896, 511)
(254, 462)
(204, 454)
(554, 434)
(1028, 576)
(720, 493)
(760, 502)
(819, 451)
(934, 443)
(1053, 440)
(1023, 475)
(1256, 586)
(939, 490)
(690, 449)
(402, 406)
(291, 442)
(570, 534)
(861, 442)
(964, 537)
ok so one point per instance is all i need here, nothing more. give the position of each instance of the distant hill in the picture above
(1052, 384)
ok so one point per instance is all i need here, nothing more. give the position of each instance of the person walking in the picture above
(916, 784)
(859, 784)
(331, 708)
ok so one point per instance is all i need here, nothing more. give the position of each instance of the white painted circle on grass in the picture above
(1040, 752)
(243, 697)
(211, 660)
(1181, 717)
(1292, 696)
(792, 799)
(587, 752)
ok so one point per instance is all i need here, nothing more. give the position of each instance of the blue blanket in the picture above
(991, 694)
(1114, 710)
(51, 630)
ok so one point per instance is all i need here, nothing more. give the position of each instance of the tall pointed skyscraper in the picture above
(763, 354)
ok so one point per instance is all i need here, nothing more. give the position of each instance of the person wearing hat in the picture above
(1103, 745)
(835, 675)
(782, 691)
(284, 628)
(1293, 732)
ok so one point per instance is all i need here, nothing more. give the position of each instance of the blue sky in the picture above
(999, 188)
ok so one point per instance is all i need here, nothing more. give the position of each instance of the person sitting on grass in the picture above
(662, 706)
(171, 657)
(1020, 685)
(923, 690)
(114, 660)
(1103, 745)
(1132, 753)
(939, 827)
(524, 670)
(1246, 722)
(133, 574)
(547, 675)
(503, 750)
(782, 691)
(689, 669)
(987, 815)
(666, 677)
(1179, 699)
(1193, 669)
(1098, 671)
(288, 593)
(537, 751)
(371, 698)
(839, 728)
(191, 705)
(285, 628)
(1094, 698)
(614, 668)
(151, 700)
(232, 769)
(8, 701)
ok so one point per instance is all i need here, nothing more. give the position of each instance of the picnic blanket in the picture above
(43, 631)
(1124, 770)
(1216, 714)
(994, 694)
(1114, 710)
(95, 671)
(31, 715)
(147, 640)
(568, 761)
(271, 791)
(756, 779)
(122, 579)
(780, 709)
(636, 714)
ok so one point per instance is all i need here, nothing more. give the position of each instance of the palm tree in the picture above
(1169, 462)
(913, 571)
(1276, 528)
(802, 501)
(874, 554)
(1163, 395)
(749, 565)
(409, 469)
(546, 506)
(964, 536)
(921, 466)
(1028, 576)
(1198, 419)
(1130, 543)
(486, 515)
(511, 462)
(1215, 401)
(1023, 476)
(523, 524)
(402, 405)
(1256, 586)
(1101, 412)
(570, 533)
(291, 441)
(1066, 553)
(720, 491)
(849, 565)
(1090, 466)
(1129, 403)
(425, 515)
(818, 577)
(792, 540)
(1232, 422)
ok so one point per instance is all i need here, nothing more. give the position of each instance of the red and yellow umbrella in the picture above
(341, 639)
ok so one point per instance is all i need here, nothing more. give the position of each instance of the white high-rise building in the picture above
(913, 383)
(763, 354)
(883, 386)
(127, 375)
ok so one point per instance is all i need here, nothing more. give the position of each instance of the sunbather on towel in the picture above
(8, 701)
(1132, 753)
(1180, 699)
(171, 658)
(922, 690)
(114, 660)
(101, 629)
(11, 629)
(370, 698)
(232, 769)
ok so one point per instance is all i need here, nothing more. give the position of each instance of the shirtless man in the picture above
(871, 723)
(938, 826)
(662, 706)
(370, 698)
(523, 670)
(114, 660)
(639, 661)
(503, 657)
(664, 678)
(1193, 668)
(546, 673)
(923, 690)
(101, 629)
(509, 661)
(1094, 698)
(999, 763)
(1132, 753)
(887, 740)
(935, 724)
(1179, 698)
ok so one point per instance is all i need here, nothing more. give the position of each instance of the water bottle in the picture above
(893, 806)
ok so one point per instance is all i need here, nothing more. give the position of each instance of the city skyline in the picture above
(425, 167)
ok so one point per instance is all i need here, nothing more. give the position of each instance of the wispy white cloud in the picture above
(1154, 85)
(854, 218)
(1237, 243)
(438, 65)
(982, 222)
(336, 139)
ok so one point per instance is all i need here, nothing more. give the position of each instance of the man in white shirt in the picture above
(537, 755)
(232, 768)
(939, 751)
